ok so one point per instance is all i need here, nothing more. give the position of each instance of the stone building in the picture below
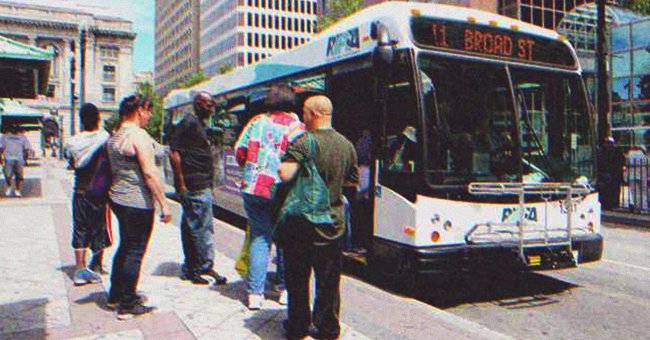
(177, 43)
(108, 55)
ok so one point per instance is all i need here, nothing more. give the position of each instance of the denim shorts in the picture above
(88, 225)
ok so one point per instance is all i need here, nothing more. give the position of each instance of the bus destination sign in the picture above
(490, 41)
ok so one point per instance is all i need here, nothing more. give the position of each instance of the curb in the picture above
(626, 218)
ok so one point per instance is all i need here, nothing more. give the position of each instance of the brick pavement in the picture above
(38, 299)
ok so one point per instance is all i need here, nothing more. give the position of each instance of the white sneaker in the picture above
(255, 301)
(284, 297)
(8, 191)
(18, 194)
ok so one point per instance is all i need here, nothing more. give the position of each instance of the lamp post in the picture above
(603, 94)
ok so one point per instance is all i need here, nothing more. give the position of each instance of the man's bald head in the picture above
(319, 105)
(203, 104)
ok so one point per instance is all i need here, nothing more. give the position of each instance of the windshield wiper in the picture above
(535, 139)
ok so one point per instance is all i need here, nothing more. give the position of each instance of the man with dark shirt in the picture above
(610, 174)
(308, 245)
(191, 159)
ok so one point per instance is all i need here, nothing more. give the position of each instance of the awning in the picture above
(24, 69)
(14, 113)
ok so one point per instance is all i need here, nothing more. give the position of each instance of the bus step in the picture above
(549, 258)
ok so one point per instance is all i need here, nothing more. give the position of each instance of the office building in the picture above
(177, 45)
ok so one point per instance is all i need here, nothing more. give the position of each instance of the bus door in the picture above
(399, 169)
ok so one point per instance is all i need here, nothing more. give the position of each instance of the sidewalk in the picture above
(623, 217)
(38, 299)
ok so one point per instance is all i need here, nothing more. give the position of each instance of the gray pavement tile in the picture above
(124, 335)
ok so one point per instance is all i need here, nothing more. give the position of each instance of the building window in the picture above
(109, 73)
(108, 94)
(109, 52)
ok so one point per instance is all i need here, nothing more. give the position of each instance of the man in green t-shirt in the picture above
(307, 245)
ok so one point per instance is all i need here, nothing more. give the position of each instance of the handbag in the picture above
(97, 191)
(308, 197)
(243, 260)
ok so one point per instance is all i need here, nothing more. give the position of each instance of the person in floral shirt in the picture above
(259, 150)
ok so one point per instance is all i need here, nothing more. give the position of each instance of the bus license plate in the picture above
(534, 260)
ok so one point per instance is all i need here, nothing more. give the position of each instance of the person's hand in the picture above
(181, 189)
(165, 216)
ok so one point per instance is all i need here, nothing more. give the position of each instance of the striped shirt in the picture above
(129, 187)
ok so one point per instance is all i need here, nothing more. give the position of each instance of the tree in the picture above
(337, 10)
(193, 79)
(639, 6)
(154, 127)
(225, 68)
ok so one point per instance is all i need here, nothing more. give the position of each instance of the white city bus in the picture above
(482, 139)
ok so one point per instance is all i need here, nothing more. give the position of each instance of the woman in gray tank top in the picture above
(135, 189)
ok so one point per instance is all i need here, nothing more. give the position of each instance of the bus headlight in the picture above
(447, 226)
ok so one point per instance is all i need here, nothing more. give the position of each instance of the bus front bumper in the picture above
(435, 261)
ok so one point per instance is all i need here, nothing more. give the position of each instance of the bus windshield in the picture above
(475, 135)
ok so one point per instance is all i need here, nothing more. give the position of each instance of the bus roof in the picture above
(350, 37)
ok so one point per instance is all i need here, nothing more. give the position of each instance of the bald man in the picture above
(310, 246)
(192, 161)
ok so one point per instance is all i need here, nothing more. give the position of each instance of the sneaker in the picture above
(18, 194)
(292, 334)
(132, 312)
(218, 279)
(84, 276)
(195, 278)
(98, 269)
(284, 297)
(142, 299)
(255, 301)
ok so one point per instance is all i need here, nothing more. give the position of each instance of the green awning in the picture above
(24, 69)
(11, 49)
(14, 113)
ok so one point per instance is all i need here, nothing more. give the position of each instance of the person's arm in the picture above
(179, 180)
(26, 148)
(144, 154)
(288, 169)
(241, 145)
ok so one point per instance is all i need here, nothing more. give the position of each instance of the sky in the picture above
(140, 12)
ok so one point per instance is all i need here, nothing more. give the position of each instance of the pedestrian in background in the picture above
(193, 165)
(84, 152)
(136, 186)
(259, 151)
(637, 176)
(611, 162)
(310, 246)
(14, 151)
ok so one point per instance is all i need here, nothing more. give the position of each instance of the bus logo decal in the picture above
(509, 213)
(343, 43)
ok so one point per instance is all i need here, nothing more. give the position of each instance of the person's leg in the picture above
(136, 238)
(204, 231)
(100, 238)
(19, 171)
(297, 260)
(327, 268)
(117, 271)
(188, 220)
(258, 211)
(9, 174)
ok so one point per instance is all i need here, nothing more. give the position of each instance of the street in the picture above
(609, 299)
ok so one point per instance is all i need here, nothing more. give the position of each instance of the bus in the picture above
(479, 140)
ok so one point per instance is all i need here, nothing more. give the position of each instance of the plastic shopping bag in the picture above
(243, 260)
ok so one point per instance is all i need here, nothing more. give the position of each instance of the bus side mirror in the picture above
(383, 52)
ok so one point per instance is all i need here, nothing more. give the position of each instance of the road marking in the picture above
(627, 265)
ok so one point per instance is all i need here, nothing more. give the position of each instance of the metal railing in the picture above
(635, 191)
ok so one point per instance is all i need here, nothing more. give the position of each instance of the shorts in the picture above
(89, 225)
(14, 168)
